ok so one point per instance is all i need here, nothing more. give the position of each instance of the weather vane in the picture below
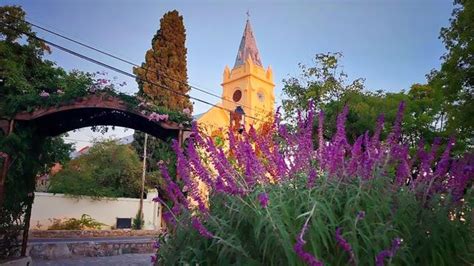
(248, 14)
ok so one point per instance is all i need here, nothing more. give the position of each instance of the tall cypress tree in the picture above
(165, 65)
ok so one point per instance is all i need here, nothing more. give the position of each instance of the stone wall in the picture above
(90, 233)
(51, 251)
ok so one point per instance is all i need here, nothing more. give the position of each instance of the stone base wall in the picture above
(50, 251)
(90, 233)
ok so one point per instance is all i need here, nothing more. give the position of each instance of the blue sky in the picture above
(392, 44)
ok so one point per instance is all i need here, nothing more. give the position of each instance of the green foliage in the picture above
(84, 223)
(165, 65)
(321, 83)
(107, 170)
(454, 81)
(138, 221)
(247, 234)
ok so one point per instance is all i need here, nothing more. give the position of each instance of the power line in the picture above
(120, 71)
(125, 60)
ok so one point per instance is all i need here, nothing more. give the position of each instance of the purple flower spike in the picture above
(156, 245)
(388, 253)
(153, 258)
(201, 229)
(342, 243)
(305, 256)
(263, 199)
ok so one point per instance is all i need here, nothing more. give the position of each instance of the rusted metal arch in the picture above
(93, 110)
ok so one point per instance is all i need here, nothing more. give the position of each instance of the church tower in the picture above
(247, 86)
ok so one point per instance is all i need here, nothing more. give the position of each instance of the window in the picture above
(237, 95)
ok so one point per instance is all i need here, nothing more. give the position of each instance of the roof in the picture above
(248, 47)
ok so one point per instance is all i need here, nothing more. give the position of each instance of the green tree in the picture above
(455, 79)
(165, 65)
(23, 75)
(108, 169)
(321, 83)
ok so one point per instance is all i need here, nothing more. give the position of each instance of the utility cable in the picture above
(124, 60)
(120, 71)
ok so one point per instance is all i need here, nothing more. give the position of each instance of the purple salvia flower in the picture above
(442, 167)
(321, 143)
(196, 135)
(344, 245)
(183, 171)
(156, 245)
(360, 215)
(304, 150)
(172, 189)
(307, 257)
(263, 199)
(336, 151)
(199, 169)
(226, 172)
(369, 158)
(443, 164)
(356, 156)
(426, 162)
(388, 253)
(341, 126)
(168, 217)
(403, 169)
(462, 174)
(375, 140)
(311, 177)
(153, 258)
(200, 228)
(395, 134)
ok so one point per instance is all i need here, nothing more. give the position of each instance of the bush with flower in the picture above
(76, 85)
(291, 200)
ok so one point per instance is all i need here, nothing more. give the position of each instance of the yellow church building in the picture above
(247, 90)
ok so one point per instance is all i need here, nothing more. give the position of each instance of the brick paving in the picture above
(120, 260)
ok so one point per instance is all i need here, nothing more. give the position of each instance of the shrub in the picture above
(276, 200)
(84, 223)
(138, 221)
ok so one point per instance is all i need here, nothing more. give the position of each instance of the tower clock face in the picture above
(237, 95)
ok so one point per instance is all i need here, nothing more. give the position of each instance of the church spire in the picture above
(248, 47)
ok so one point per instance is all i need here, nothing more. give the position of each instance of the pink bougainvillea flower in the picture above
(157, 117)
(186, 111)
(3, 154)
(44, 94)
(59, 91)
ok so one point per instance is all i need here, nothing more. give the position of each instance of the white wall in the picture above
(105, 210)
